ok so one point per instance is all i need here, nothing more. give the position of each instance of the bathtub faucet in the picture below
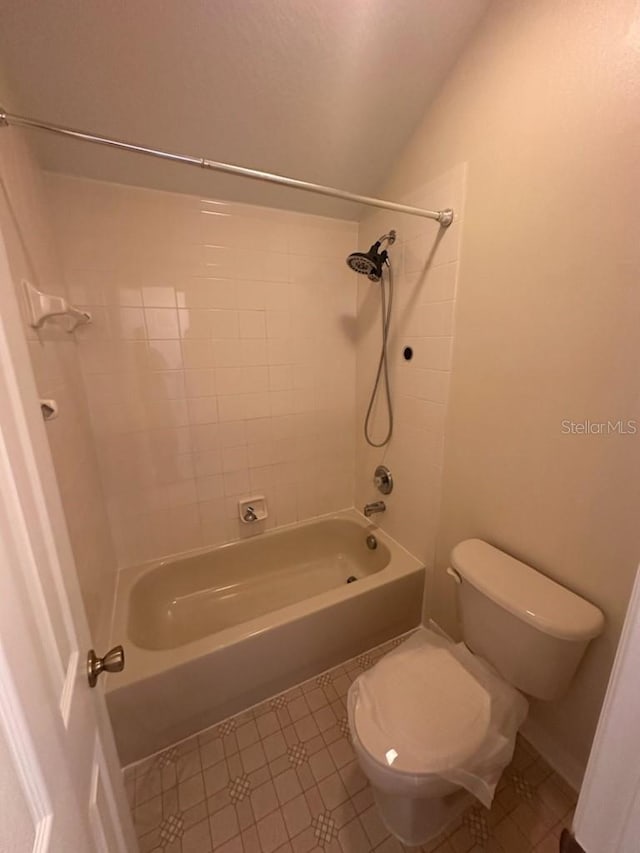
(376, 506)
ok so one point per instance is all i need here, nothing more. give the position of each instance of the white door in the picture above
(60, 785)
(608, 812)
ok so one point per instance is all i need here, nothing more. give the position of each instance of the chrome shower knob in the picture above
(382, 480)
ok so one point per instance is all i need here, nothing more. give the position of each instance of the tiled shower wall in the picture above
(54, 358)
(220, 363)
(425, 266)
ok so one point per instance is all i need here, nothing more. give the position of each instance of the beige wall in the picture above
(220, 363)
(544, 108)
(54, 356)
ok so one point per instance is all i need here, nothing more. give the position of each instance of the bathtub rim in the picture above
(144, 663)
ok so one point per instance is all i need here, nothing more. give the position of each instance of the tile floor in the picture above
(282, 778)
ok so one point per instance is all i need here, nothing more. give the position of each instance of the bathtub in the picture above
(213, 632)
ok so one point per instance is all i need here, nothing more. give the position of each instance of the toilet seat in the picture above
(419, 710)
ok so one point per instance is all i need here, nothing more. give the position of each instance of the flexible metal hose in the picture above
(382, 365)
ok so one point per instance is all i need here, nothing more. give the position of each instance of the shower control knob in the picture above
(382, 480)
(113, 661)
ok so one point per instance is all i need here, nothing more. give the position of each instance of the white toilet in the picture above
(433, 720)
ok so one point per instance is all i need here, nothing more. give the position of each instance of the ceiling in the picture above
(327, 91)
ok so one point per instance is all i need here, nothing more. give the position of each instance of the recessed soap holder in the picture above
(253, 509)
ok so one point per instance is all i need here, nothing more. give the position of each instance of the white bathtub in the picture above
(214, 632)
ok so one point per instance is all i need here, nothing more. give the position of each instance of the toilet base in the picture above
(416, 821)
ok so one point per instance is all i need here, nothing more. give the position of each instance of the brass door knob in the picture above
(113, 661)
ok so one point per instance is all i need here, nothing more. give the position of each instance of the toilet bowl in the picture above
(434, 724)
(430, 723)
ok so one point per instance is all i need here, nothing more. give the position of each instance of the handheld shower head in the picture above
(370, 263)
(367, 263)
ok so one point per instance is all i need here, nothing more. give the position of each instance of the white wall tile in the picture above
(202, 410)
(224, 324)
(253, 352)
(280, 377)
(227, 353)
(232, 433)
(159, 296)
(220, 261)
(204, 382)
(252, 295)
(255, 378)
(234, 459)
(162, 323)
(194, 323)
(236, 482)
(229, 380)
(164, 355)
(200, 383)
(126, 323)
(206, 463)
(206, 293)
(196, 354)
(209, 488)
(252, 324)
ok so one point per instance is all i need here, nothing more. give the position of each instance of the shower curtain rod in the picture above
(444, 217)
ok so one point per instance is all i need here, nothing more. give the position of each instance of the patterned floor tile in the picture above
(324, 828)
(171, 828)
(239, 788)
(227, 727)
(523, 788)
(343, 725)
(282, 777)
(477, 825)
(169, 756)
(297, 754)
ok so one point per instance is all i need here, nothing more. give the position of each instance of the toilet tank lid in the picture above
(525, 592)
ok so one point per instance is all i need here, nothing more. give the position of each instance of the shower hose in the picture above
(383, 369)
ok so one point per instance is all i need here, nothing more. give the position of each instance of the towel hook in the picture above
(44, 306)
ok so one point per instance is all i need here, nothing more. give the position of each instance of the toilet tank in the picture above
(531, 629)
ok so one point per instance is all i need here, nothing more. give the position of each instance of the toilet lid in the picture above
(419, 710)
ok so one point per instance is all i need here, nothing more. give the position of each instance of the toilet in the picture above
(434, 722)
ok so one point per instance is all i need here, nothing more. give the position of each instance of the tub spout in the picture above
(376, 506)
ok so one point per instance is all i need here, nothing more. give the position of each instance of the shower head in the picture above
(370, 263)
(367, 263)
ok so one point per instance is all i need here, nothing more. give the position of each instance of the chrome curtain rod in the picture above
(444, 217)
